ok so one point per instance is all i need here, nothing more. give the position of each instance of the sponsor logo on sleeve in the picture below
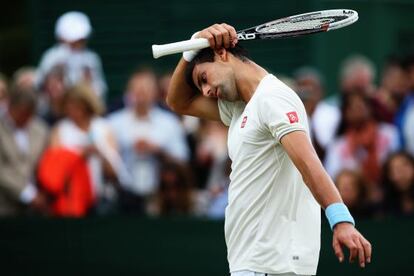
(293, 117)
(243, 124)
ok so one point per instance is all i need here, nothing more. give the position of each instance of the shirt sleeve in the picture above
(226, 111)
(282, 114)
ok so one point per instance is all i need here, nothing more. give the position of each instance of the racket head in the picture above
(301, 24)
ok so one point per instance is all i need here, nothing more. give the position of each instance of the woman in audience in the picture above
(363, 143)
(398, 182)
(84, 132)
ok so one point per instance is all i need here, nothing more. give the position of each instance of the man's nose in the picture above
(206, 90)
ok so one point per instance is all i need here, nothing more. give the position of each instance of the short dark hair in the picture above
(207, 55)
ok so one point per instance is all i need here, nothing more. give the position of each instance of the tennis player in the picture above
(272, 224)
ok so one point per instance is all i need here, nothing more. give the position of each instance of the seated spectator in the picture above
(51, 96)
(71, 55)
(146, 134)
(392, 91)
(352, 188)
(85, 132)
(210, 153)
(398, 182)
(363, 143)
(22, 140)
(24, 78)
(175, 195)
(358, 75)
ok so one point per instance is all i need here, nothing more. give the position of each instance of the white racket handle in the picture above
(179, 47)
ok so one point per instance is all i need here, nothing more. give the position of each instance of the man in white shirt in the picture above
(273, 219)
(145, 134)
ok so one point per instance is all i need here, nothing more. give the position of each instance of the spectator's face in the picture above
(360, 80)
(357, 111)
(401, 173)
(142, 90)
(78, 45)
(216, 80)
(395, 81)
(21, 115)
(27, 80)
(348, 188)
(76, 110)
(54, 86)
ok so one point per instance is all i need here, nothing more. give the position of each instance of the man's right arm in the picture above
(183, 100)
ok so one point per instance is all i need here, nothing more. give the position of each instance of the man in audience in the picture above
(145, 134)
(22, 140)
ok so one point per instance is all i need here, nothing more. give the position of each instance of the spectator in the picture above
(85, 132)
(363, 142)
(392, 91)
(145, 133)
(352, 188)
(22, 140)
(398, 183)
(24, 78)
(358, 75)
(51, 98)
(175, 195)
(3, 92)
(323, 117)
(72, 56)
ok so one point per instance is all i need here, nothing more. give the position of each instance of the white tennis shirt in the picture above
(272, 221)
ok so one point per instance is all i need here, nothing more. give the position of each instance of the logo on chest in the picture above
(244, 121)
(293, 117)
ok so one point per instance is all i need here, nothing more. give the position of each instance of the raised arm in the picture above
(303, 155)
(181, 98)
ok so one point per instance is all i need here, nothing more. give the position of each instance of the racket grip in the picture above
(179, 47)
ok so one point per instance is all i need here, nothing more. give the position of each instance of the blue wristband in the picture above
(338, 212)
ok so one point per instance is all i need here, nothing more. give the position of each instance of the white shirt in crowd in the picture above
(324, 122)
(160, 128)
(272, 221)
(76, 65)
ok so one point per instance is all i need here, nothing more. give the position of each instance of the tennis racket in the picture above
(296, 25)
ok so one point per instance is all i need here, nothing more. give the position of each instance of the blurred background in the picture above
(98, 176)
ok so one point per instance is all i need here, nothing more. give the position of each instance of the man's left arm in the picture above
(301, 152)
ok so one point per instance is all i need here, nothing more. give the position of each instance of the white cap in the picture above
(73, 26)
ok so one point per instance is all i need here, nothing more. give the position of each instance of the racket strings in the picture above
(291, 26)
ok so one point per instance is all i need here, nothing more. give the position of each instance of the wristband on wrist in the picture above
(189, 55)
(338, 212)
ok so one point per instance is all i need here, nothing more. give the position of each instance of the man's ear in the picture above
(222, 54)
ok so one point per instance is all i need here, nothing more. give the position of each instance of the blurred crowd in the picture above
(63, 155)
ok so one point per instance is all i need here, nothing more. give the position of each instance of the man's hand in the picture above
(345, 234)
(143, 146)
(219, 36)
